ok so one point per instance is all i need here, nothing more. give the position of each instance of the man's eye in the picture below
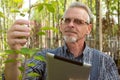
(78, 21)
(67, 20)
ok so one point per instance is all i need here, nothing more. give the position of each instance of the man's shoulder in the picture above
(44, 51)
(102, 55)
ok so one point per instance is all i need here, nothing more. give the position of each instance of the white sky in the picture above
(26, 6)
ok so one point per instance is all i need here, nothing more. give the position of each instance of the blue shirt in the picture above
(103, 66)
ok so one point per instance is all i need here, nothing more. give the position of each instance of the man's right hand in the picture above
(18, 33)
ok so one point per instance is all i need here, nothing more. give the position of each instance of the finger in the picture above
(17, 34)
(22, 22)
(22, 28)
(17, 41)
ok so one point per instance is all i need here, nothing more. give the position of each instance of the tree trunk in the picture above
(98, 37)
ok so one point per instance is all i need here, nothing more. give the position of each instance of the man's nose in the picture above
(71, 23)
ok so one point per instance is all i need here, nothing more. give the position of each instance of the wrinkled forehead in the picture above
(79, 13)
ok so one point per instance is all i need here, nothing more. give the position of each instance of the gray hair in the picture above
(86, 8)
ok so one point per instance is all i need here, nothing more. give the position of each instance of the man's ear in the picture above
(89, 28)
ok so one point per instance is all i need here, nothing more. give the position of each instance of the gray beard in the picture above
(70, 39)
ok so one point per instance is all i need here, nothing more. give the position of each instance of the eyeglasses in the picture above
(75, 21)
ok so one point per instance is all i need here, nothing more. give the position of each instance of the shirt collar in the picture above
(85, 51)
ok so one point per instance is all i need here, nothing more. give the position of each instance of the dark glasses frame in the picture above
(76, 21)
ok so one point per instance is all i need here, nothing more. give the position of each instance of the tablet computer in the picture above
(59, 68)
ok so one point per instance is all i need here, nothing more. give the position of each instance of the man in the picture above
(74, 26)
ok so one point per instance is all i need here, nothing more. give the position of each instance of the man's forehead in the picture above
(76, 13)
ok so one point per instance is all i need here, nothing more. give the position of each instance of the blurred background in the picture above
(46, 15)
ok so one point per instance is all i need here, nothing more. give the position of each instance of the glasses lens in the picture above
(75, 21)
(66, 20)
(78, 22)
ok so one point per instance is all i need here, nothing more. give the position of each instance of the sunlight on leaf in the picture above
(41, 33)
(33, 74)
(10, 60)
(24, 51)
(21, 68)
(2, 15)
(50, 28)
(50, 8)
(9, 51)
(40, 7)
(18, 1)
(31, 64)
(14, 11)
(22, 14)
(20, 77)
(40, 58)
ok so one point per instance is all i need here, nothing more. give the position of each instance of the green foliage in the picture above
(46, 28)
(50, 8)
(21, 68)
(2, 15)
(15, 11)
(41, 33)
(9, 60)
(40, 7)
(47, 13)
(33, 74)
(9, 51)
(40, 58)
(31, 64)
(50, 28)
(27, 52)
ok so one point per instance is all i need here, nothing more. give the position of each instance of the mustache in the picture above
(70, 30)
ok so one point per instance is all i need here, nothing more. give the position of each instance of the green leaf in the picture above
(22, 14)
(20, 77)
(21, 68)
(50, 28)
(25, 51)
(45, 28)
(41, 33)
(17, 1)
(50, 8)
(31, 64)
(40, 7)
(2, 15)
(9, 51)
(14, 11)
(10, 60)
(40, 58)
(54, 29)
(33, 74)
(54, 3)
